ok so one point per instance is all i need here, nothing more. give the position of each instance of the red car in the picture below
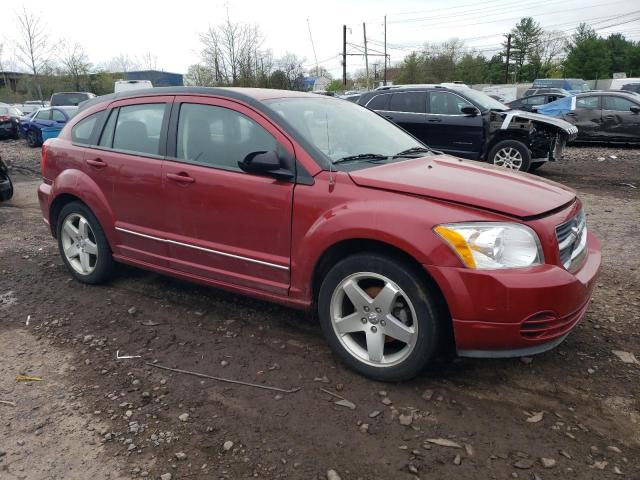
(318, 203)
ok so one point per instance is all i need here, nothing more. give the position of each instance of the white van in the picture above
(124, 85)
(617, 83)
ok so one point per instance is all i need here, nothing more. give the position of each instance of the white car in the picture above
(124, 85)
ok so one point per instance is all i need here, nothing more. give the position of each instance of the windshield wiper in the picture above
(410, 151)
(361, 156)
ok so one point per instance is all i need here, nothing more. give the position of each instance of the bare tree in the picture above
(2, 69)
(149, 61)
(292, 67)
(122, 63)
(199, 75)
(75, 62)
(34, 48)
(230, 51)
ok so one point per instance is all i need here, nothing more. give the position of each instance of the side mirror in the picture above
(471, 111)
(265, 163)
(635, 109)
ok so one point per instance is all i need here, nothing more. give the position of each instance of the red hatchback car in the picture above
(315, 202)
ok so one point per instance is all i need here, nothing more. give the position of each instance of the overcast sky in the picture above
(170, 29)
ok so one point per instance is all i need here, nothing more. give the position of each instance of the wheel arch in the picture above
(501, 135)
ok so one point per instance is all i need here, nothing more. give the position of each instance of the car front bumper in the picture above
(509, 313)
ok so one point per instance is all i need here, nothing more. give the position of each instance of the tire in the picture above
(510, 154)
(367, 339)
(78, 241)
(33, 139)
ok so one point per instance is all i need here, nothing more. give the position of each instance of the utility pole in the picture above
(385, 52)
(506, 70)
(344, 55)
(366, 58)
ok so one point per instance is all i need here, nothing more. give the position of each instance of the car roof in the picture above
(249, 95)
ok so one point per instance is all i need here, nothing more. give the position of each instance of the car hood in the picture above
(558, 123)
(469, 183)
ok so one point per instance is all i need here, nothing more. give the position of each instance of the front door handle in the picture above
(181, 177)
(97, 162)
(434, 120)
(570, 114)
(610, 117)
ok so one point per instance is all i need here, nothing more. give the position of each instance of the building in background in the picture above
(157, 77)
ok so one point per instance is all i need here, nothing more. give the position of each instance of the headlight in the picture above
(489, 245)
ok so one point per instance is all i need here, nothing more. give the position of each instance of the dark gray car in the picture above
(612, 117)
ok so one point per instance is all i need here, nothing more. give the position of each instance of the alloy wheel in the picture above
(79, 244)
(508, 157)
(374, 319)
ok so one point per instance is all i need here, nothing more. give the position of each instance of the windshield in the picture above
(481, 99)
(342, 129)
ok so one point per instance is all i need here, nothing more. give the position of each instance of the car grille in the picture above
(572, 241)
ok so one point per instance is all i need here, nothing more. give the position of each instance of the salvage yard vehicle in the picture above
(45, 123)
(6, 186)
(9, 121)
(467, 123)
(572, 85)
(71, 99)
(317, 203)
(531, 102)
(602, 117)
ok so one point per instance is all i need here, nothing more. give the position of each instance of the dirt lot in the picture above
(570, 413)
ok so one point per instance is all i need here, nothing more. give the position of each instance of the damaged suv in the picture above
(467, 123)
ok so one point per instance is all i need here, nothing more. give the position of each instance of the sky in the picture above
(170, 30)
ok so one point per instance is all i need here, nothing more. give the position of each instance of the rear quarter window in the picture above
(82, 131)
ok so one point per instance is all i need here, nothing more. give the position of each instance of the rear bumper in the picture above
(517, 312)
(44, 198)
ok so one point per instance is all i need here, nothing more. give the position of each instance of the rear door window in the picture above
(410, 102)
(58, 116)
(138, 128)
(618, 104)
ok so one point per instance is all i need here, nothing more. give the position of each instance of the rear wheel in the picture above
(378, 316)
(33, 139)
(510, 154)
(83, 245)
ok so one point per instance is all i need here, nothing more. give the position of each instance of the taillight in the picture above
(4, 118)
(43, 163)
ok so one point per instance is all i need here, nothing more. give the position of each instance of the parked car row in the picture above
(9, 121)
(45, 123)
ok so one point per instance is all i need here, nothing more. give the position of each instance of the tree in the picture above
(291, 65)
(410, 70)
(149, 61)
(122, 63)
(75, 63)
(587, 55)
(34, 48)
(525, 44)
(230, 51)
(471, 69)
(279, 80)
(199, 75)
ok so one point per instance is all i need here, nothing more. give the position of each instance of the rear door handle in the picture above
(434, 120)
(98, 163)
(570, 114)
(181, 177)
(610, 117)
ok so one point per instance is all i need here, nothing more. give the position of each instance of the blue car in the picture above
(45, 123)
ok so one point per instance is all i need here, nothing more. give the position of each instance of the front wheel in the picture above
(510, 154)
(378, 316)
(33, 139)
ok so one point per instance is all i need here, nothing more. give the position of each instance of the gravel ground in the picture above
(570, 413)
